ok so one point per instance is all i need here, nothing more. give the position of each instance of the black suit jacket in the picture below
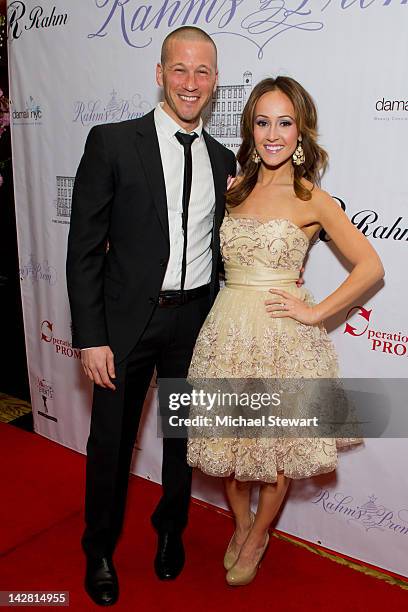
(119, 199)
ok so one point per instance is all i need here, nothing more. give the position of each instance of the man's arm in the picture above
(87, 241)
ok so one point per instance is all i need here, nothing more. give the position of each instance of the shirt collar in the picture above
(169, 127)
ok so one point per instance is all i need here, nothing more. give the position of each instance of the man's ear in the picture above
(216, 82)
(159, 75)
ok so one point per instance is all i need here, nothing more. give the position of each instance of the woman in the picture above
(274, 209)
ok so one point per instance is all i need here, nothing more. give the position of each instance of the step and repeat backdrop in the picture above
(77, 64)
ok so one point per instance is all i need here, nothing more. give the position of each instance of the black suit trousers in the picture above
(167, 344)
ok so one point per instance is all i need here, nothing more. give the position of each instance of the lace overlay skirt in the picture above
(239, 340)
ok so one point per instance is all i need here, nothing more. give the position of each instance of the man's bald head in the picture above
(188, 75)
(186, 33)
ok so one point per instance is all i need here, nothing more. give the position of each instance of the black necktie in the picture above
(186, 140)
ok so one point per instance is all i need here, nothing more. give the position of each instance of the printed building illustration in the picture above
(65, 185)
(227, 107)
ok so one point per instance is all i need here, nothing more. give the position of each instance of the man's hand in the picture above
(99, 366)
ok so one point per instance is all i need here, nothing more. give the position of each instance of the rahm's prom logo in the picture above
(114, 109)
(62, 346)
(36, 271)
(22, 18)
(372, 515)
(30, 114)
(391, 110)
(46, 392)
(63, 201)
(226, 109)
(258, 22)
(358, 324)
(370, 224)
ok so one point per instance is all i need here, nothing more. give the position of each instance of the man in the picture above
(142, 261)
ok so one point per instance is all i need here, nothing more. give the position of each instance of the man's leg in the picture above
(137, 384)
(170, 516)
(114, 423)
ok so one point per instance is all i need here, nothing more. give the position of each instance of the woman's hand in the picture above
(230, 181)
(300, 281)
(284, 304)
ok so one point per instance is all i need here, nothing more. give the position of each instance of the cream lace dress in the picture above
(239, 340)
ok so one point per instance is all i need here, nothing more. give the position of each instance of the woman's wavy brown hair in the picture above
(306, 121)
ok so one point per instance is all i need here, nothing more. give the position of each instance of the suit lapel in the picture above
(218, 170)
(220, 185)
(149, 152)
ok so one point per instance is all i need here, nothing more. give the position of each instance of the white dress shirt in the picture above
(201, 207)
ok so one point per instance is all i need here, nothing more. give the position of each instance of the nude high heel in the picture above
(239, 577)
(230, 556)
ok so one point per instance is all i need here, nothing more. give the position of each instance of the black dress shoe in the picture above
(101, 581)
(169, 559)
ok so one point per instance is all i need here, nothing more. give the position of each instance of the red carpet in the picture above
(41, 524)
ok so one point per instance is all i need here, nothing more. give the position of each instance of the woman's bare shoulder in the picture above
(320, 197)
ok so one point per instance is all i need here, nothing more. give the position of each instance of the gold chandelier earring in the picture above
(255, 157)
(299, 155)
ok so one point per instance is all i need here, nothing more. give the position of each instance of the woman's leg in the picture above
(239, 497)
(271, 497)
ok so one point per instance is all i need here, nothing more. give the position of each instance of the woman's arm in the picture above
(354, 246)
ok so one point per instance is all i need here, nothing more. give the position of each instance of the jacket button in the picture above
(163, 263)
(152, 300)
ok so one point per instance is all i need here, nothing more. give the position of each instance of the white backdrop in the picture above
(76, 64)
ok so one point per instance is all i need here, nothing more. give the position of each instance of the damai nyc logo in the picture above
(30, 114)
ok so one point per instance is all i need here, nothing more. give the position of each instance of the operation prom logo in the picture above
(62, 346)
(388, 342)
